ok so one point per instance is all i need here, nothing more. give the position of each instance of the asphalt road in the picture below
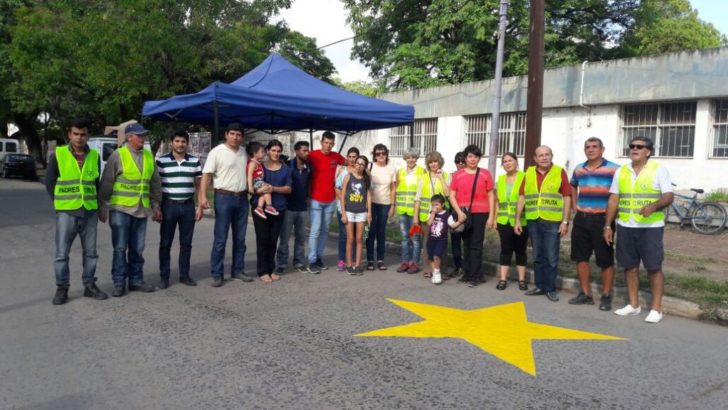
(291, 344)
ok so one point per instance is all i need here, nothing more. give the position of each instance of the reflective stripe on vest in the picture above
(132, 185)
(547, 203)
(426, 195)
(75, 187)
(406, 189)
(635, 196)
(507, 205)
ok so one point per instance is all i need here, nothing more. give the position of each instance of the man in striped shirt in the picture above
(180, 173)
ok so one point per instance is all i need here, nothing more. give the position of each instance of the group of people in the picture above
(287, 196)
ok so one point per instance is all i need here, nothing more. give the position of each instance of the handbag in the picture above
(468, 216)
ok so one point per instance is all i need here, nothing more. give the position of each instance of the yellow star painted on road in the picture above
(503, 331)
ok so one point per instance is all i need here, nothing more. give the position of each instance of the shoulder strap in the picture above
(472, 191)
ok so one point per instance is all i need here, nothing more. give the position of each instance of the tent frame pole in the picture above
(412, 135)
(216, 124)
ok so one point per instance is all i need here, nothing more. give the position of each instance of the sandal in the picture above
(502, 285)
(266, 278)
(381, 266)
(370, 265)
(522, 285)
(274, 277)
(426, 274)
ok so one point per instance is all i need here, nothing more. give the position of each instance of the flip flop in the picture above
(275, 277)
(266, 278)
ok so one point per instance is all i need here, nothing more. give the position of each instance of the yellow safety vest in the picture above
(75, 187)
(635, 196)
(406, 189)
(507, 205)
(547, 203)
(427, 193)
(132, 185)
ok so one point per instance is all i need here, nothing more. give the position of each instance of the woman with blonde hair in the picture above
(435, 181)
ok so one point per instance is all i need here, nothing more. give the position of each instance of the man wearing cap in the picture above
(226, 168)
(132, 190)
(640, 192)
(72, 178)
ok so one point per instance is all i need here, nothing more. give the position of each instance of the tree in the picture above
(102, 59)
(665, 26)
(422, 43)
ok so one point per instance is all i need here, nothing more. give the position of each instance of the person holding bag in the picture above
(473, 185)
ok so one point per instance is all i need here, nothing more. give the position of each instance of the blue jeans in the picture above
(67, 227)
(320, 214)
(127, 237)
(545, 239)
(377, 231)
(294, 221)
(342, 238)
(411, 245)
(231, 213)
(174, 214)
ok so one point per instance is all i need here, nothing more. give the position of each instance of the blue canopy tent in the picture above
(277, 96)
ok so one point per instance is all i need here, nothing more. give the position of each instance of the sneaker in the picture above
(320, 264)
(241, 277)
(216, 282)
(341, 266)
(455, 272)
(281, 270)
(118, 291)
(270, 210)
(141, 287)
(164, 283)
(403, 267)
(187, 281)
(628, 310)
(61, 296)
(653, 317)
(359, 271)
(312, 269)
(350, 270)
(260, 212)
(552, 296)
(436, 278)
(582, 299)
(370, 265)
(300, 268)
(92, 291)
(414, 268)
(605, 303)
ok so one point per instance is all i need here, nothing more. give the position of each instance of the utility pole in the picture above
(495, 120)
(534, 102)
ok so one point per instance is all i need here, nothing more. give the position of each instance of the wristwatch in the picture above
(565, 222)
(606, 228)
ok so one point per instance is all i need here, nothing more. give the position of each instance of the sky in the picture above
(325, 20)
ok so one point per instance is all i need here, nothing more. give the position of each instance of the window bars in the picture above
(671, 126)
(511, 133)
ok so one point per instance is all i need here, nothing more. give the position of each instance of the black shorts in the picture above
(640, 244)
(587, 236)
(436, 248)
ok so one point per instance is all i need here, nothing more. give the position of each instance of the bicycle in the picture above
(705, 217)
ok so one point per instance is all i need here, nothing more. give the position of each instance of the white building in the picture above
(679, 100)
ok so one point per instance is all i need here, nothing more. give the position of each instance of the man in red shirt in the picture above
(323, 165)
(545, 195)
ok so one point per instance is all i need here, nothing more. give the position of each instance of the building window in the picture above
(720, 130)
(511, 132)
(424, 138)
(670, 126)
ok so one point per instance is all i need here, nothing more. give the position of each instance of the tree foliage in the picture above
(421, 43)
(102, 58)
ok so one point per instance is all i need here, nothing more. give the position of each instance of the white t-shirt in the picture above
(662, 183)
(382, 178)
(228, 168)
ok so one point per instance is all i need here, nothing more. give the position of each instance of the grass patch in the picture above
(707, 293)
(719, 195)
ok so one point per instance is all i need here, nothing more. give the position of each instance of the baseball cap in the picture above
(235, 126)
(136, 129)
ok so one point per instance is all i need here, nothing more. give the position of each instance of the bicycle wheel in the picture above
(708, 218)
(679, 218)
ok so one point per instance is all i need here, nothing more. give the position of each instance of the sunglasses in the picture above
(380, 153)
(636, 146)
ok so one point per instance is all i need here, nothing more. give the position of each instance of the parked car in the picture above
(19, 164)
(8, 146)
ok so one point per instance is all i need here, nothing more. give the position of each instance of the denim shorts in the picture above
(640, 244)
(356, 216)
